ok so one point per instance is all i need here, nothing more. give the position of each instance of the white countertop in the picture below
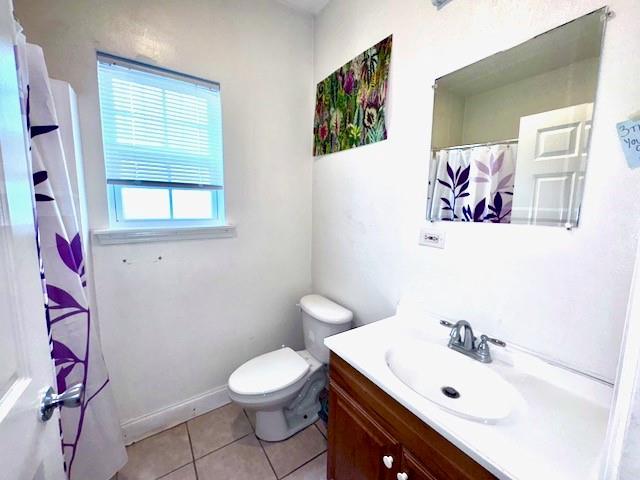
(556, 433)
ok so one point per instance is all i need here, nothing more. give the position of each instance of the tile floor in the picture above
(222, 444)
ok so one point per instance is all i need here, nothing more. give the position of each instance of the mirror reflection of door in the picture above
(552, 160)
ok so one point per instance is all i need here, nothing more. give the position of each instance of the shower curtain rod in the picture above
(472, 145)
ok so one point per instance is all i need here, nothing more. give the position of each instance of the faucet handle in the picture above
(454, 332)
(485, 339)
(482, 350)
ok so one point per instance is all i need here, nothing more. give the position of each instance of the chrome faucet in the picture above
(464, 341)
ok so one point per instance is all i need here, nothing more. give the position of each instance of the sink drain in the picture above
(450, 392)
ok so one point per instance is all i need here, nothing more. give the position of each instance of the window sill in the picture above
(115, 236)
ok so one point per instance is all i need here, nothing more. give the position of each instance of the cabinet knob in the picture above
(388, 461)
(402, 476)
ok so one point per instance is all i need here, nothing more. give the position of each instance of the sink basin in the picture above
(453, 381)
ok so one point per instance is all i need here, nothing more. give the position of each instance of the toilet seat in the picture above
(283, 388)
(269, 373)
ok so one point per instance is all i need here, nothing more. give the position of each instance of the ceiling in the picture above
(572, 42)
(310, 6)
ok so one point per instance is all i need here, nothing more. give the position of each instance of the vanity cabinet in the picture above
(373, 437)
(356, 439)
(413, 468)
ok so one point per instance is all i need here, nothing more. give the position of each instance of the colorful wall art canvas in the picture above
(350, 103)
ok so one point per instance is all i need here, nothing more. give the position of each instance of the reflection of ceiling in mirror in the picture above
(570, 43)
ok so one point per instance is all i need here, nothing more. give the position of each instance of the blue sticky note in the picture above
(629, 134)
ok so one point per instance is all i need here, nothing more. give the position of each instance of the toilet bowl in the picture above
(283, 386)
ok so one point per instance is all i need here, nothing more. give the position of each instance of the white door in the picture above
(552, 160)
(29, 448)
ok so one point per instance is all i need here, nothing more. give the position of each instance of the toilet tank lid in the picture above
(323, 309)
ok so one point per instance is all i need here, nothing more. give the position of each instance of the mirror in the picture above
(511, 132)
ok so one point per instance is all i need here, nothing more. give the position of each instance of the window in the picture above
(162, 136)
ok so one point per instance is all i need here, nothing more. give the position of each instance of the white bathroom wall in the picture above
(629, 461)
(449, 110)
(571, 85)
(560, 293)
(174, 329)
(623, 436)
(494, 115)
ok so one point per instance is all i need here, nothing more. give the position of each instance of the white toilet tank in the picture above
(322, 318)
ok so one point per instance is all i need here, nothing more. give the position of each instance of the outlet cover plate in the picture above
(431, 238)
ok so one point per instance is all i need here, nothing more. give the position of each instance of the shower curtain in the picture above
(474, 184)
(91, 436)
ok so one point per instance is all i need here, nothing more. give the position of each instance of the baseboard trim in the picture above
(142, 427)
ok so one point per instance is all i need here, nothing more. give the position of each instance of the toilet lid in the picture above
(268, 373)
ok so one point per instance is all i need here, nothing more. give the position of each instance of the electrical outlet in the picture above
(431, 238)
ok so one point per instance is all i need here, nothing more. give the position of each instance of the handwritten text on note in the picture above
(629, 133)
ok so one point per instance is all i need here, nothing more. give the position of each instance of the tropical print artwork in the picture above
(474, 184)
(350, 103)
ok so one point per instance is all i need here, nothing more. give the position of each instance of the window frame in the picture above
(116, 214)
(113, 189)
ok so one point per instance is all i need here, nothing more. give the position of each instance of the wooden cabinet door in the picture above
(413, 468)
(357, 443)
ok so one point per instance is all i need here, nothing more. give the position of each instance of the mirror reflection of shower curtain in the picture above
(474, 184)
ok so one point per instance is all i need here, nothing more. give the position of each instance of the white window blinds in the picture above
(159, 128)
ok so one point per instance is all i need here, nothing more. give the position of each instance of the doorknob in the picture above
(402, 476)
(72, 397)
(388, 461)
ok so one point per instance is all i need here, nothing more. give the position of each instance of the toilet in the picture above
(283, 386)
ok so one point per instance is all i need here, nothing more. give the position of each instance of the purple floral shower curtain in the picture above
(474, 184)
(91, 436)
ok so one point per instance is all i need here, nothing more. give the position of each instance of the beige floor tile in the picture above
(217, 429)
(157, 455)
(322, 427)
(242, 460)
(251, 414)
(188, 472)
(290, 454)
(316, 469)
